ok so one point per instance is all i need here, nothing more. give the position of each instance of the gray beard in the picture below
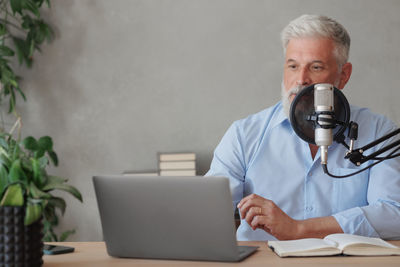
(285, 95)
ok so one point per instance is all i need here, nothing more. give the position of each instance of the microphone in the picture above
(303, 114)
(320, 114)
(324, 112)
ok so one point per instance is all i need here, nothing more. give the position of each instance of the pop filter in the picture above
(302, 110)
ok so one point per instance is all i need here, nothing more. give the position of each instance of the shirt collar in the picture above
(280, 116)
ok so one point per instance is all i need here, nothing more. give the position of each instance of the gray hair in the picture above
(319, 26)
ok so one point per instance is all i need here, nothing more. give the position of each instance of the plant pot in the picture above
(20, 245)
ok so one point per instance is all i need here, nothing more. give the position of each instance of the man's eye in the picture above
(317, 68)
(292, 67)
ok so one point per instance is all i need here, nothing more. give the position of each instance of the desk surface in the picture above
(95, 254)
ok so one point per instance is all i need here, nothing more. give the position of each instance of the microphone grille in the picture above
(323, 97)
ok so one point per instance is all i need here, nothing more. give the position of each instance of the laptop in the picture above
(184, 218)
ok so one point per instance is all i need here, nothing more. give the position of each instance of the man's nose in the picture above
(303, 77)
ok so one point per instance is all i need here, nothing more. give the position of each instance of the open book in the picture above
(334, 244)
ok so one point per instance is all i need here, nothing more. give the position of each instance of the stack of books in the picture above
(177, 164)
(140, 173)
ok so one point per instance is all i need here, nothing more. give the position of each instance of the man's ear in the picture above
(345, 74)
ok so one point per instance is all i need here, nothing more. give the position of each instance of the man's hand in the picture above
(265, 214)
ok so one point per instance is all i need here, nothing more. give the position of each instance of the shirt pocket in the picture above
(352, 191)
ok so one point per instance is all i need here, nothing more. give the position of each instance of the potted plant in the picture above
(26, 197)
(27, 205)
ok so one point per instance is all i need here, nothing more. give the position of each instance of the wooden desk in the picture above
(95, 254)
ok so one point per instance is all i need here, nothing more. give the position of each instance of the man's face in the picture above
(309, 61)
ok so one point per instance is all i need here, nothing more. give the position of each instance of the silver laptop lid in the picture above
(167, 217)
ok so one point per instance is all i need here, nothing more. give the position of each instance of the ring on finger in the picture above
(259, 210)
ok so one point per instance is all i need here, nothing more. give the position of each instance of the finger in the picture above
(259, 221)
(253, 211)
(247, 198)
(256, 199)
(257, 202)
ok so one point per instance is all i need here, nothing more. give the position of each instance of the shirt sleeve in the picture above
(381, 217)
(228, 161)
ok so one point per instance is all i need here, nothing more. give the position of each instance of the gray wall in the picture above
(126, 79)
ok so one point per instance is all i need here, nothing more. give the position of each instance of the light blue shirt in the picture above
(261, 154)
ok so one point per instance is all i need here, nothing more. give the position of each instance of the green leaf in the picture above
(50, 220)
(27, 22)
(3, 29)
(55, 182)
(6, 86)
(8, 79)
(43, 161)
(26, 165)
(13, 82)
(22, 49)
(33, 213)
(5, 51)
(58, 203)
(50, 215)
(38, 178)
(39, 153)
(45, 143)
(16, 6)
(16, 173)
(66, 234)
(20, 92)
(36, 193)
(3, 179)
(4, 153)
(31, 48)
(49, 34)
(49, 235)
(3, 143)
(30, 143)
(11, 102)
(7, 75)
(15, 150)
(4, 160)
(13, 196)
(53, 157)
(31, 6)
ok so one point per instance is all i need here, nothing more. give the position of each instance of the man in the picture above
(275, 177)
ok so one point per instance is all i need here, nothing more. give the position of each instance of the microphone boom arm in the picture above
(356, 156)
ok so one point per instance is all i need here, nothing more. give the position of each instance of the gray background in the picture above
(126, 79)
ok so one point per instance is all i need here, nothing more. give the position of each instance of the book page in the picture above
(345, 240)
(304, 247)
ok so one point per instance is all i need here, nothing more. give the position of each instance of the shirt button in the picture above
(310, 174)
(309, 208)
